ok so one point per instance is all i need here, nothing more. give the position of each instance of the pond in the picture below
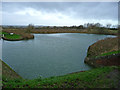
(49, 54)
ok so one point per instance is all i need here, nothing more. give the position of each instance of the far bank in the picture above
(26, 33)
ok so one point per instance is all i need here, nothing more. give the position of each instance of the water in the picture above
(49, 54)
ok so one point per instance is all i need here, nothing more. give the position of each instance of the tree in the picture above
(30, 27)
(48, 27)
(97, 25)
(73, 26)
(90, 25)
(80, 27)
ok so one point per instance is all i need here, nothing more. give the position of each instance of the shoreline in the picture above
(31, 36)
(41, 32)
(112, 71)
(8, 72)
(109, 60)
(91, 61)
(103, 53)
(81, 79)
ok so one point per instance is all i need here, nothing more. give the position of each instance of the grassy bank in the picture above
(11, 37)
(105, 77)
(16, 35)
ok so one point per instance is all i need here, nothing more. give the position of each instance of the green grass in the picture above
(14, 36)
(95, 78)
(8, 36)
(4, 33)
(109, 53)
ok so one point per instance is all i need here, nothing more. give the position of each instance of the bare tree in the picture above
(30, 27)
(97, 25)
(81, 27)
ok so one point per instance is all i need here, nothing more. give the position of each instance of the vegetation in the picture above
(104, 53)
(29, 28)
(96, 78)
(5, 33)
(92, 28)
(104, 77)
(8, 36)
(7, 72)
(14, 36)
(103, 46)
(109, 53)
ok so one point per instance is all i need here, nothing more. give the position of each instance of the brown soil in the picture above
(113, 61)
(8, 72)
(103, 46)
(100, 47)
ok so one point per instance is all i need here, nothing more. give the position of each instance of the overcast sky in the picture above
(59, 13)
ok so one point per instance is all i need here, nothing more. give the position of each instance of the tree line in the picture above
(85, 26)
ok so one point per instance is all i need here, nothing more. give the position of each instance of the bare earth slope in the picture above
(101, 47)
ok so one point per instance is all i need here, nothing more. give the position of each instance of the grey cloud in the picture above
(76, 10)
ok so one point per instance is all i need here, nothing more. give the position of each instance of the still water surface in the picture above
(49, 54)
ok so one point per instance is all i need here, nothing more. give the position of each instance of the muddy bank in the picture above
(103, 46)
(94, 55)
(109, 60)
